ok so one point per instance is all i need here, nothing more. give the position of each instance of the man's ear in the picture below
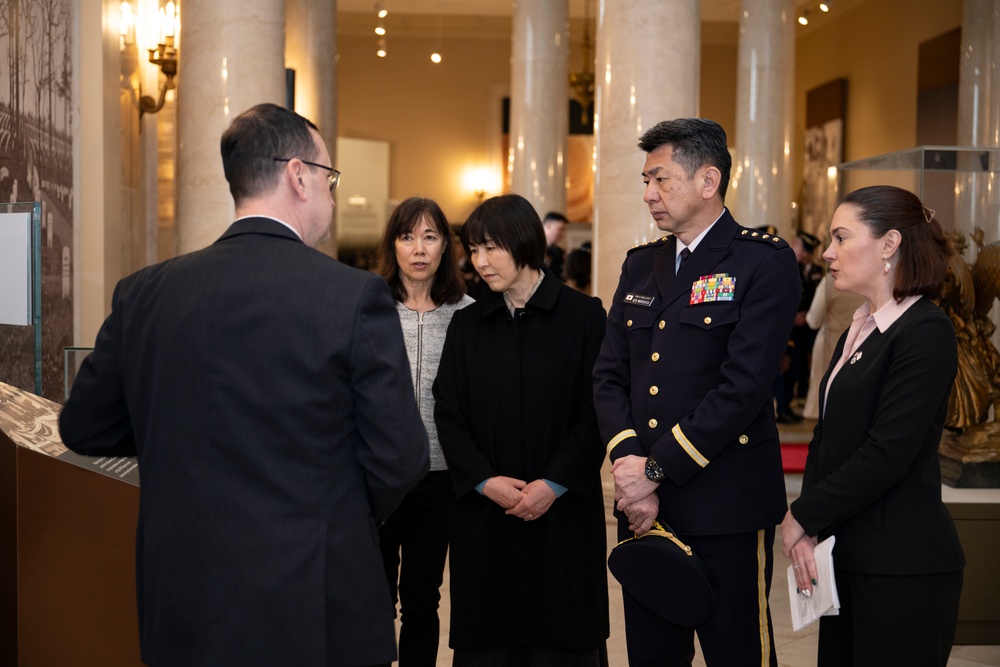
(710, 179)
(294, 175)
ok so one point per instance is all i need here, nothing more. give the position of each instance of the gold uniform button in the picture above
(744, 440)
(656, 356)
(662, 323)
(652, 423)
(654, 390)
(629, 323)
(708, 320)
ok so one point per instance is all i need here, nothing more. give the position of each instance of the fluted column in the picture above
(311, 50)
(539, 103)
(648, 70)
(761, 186)
(232, 57)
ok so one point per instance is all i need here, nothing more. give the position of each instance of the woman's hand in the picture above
(804, 565)
(791, 532)
(504, 491)
(536, 500)
(799, 548)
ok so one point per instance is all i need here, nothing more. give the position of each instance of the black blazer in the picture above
(267, 393)
(872, 475)
(691, 383)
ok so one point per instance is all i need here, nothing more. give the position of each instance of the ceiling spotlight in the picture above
(825, 6)
(381, 11)
(435, 57)
(804, 17)
(380, 30)
(380, 53)
(380, 43)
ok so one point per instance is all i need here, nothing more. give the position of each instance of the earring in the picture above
(885, 269)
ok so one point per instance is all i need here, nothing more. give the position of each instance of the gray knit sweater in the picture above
(424, 335)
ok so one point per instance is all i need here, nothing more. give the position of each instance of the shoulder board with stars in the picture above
(756, 235)
(649, 244)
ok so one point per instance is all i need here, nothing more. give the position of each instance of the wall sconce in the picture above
(481, 182)
(157, 30)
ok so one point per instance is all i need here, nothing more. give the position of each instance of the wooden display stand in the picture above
(67, 562)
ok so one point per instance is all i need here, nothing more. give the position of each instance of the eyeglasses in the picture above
(332, 179)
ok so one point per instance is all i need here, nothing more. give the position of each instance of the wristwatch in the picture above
(653, 471)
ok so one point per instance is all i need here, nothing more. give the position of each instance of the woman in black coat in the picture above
(515, 417)
(872, 477)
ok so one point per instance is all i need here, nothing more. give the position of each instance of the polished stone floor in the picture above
(794, 649)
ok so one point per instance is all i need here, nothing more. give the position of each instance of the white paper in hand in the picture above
(824, 600)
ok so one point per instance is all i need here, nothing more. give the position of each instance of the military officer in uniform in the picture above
(695, 335)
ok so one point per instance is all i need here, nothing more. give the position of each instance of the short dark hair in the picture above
(511, 222)
(555, 216)
(252, 141)
(923, 249)
(697, 142)
(578, 263)
(448, 286)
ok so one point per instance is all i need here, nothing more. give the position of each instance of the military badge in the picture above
(716, 287)
(638, 300)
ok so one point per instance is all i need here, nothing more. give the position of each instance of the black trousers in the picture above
(414, 545)
(739, 630)
(891, 621)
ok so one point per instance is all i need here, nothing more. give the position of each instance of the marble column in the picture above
(648, 70)
(761, 185)
(231, 57)
(311, 50)
(539, 103)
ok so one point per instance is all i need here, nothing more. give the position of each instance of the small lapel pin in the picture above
(857, 356)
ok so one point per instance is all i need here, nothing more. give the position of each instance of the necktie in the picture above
(685, 253)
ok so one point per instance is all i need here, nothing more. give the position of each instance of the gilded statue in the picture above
(967, 297)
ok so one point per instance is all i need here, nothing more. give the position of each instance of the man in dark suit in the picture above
(265, 388)
(683, 395)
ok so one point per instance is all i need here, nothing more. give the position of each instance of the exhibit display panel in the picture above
(21, 293)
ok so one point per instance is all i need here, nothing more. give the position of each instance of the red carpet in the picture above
(793, 456)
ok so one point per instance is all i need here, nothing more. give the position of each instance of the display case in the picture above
(960, 183)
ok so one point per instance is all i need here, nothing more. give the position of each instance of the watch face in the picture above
(653, 471)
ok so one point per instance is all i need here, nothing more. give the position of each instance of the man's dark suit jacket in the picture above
(690, 383)
(267, 393)
(872, 476)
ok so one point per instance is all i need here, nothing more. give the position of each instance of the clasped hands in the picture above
(524, 500)
(635, 494)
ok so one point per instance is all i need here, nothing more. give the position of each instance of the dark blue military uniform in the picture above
(685, 376)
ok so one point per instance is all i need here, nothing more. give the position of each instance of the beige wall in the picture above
(443, 119)
(874, 45)
(440, 119)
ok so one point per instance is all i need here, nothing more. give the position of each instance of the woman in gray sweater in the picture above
(415, 257)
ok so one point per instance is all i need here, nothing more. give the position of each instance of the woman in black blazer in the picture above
(872, 476)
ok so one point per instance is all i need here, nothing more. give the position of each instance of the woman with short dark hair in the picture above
(515, 415)
(872, 477)
(416, 258)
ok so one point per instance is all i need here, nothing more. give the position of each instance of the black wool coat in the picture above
(514, 397)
